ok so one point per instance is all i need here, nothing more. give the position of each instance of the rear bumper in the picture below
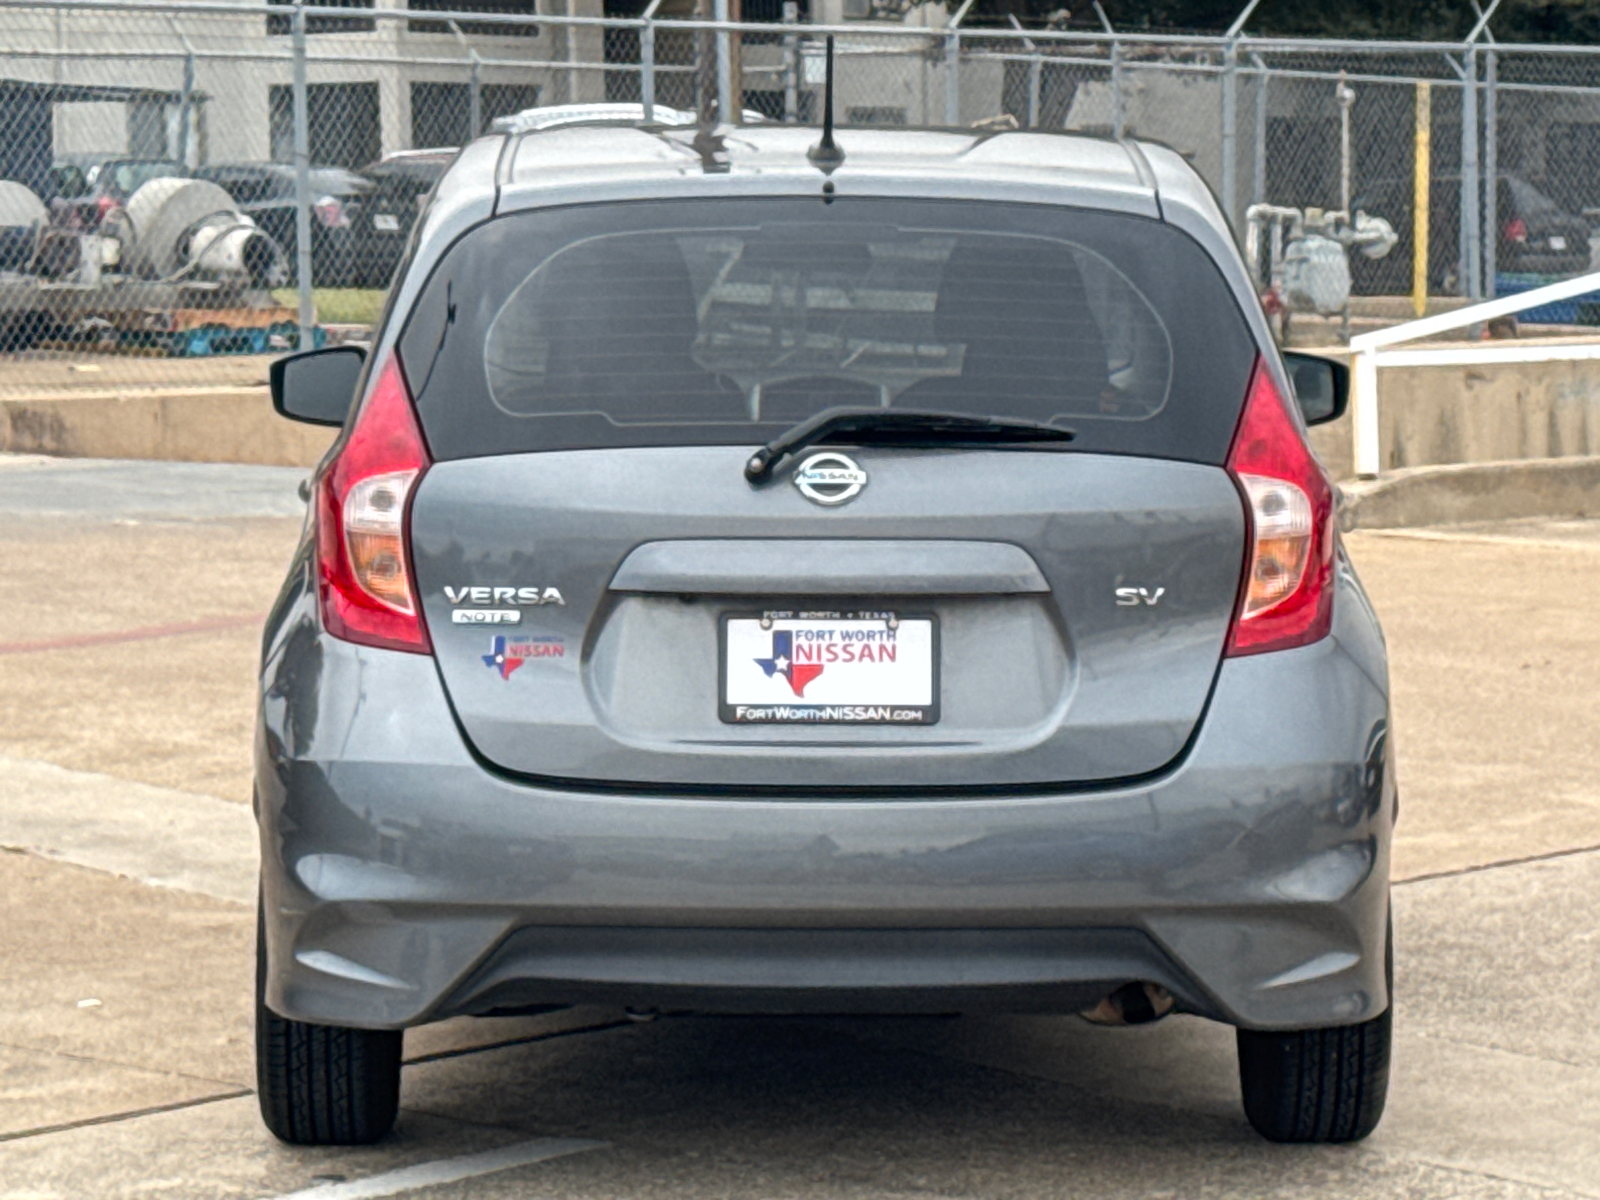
(404, 882)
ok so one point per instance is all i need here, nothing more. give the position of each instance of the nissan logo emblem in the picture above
(829, 479)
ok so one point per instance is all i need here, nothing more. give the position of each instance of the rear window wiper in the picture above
(898, 426)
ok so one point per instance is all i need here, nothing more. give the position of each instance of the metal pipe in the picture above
(1364, 415)
(1471, 264)
(1237, 27)
(569, 39)
(1483, 21)
(474, 85)
(952, 66)
(302, 180)
(647, 62)
(1230, 132)
(725, 110)
(1345, 98)
(1491, 173)
(1258, 191)
(1119, 106)
(1034, 64)
(186, 97)
(791, 64)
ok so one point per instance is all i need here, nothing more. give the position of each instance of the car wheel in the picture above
(322, 1085)
(1319, 1085)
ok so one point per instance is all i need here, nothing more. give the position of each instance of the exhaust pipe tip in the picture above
(1131, 1004)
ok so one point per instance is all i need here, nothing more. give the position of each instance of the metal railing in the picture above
(1376, 349)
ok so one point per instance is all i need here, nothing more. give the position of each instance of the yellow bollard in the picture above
(1419, 204)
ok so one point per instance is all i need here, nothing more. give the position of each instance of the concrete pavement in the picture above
(125, 1063)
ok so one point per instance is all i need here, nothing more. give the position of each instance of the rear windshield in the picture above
(728, 321)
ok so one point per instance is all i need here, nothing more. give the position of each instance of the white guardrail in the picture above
(1369, 351)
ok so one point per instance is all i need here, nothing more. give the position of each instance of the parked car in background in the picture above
(85, 190)
(265, 192)
(1536, 235)
(401, 183)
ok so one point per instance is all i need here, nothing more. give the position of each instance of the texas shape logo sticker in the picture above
(506, 655)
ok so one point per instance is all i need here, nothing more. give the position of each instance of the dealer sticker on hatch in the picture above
(801, 667)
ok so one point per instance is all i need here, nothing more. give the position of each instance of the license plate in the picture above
(386, 223)
(1558, 243)
(829, 668)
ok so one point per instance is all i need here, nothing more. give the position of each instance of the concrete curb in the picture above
(216, 424)
(1454, 494)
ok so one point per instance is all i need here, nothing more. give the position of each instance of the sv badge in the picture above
(1129, 597)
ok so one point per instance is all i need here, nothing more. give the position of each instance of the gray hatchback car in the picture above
(753, 582)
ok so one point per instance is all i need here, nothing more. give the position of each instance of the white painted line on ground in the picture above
(159, 836)
(445, 1170)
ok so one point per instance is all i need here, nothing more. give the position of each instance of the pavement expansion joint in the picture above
(1552, 1189)
(118, 1117)
(117, 1062)
(1496, 1048)
(1478, 868)
(463, 1052)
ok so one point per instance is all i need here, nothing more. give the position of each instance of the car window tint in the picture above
(1009, 324)
(728, 321)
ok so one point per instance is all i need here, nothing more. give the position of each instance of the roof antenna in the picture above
(826, 155)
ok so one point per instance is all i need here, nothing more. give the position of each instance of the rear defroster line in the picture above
(142, 634)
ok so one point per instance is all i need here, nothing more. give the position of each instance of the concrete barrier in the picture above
(207, 424)
(1458, 493)
(1431, 416)
(1461, 443)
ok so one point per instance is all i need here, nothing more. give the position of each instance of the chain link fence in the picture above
(202, 181)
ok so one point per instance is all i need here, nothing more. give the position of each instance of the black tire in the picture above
(323, 1085)
(1319, 1085)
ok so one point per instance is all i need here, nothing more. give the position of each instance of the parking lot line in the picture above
(446, 1170)
(133, 635)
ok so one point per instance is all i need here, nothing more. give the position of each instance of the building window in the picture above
(341, 123)
(481, 28)
(441, 113)
(285, 25)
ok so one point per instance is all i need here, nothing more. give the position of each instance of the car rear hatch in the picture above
(612, 602)
(1078, 606)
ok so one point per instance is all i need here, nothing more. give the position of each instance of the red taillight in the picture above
(1287, 596)
(103, 208)
(1516, 230)
(367, 586)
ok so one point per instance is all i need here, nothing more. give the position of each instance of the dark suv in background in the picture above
(1536, 235)
(401, 182)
